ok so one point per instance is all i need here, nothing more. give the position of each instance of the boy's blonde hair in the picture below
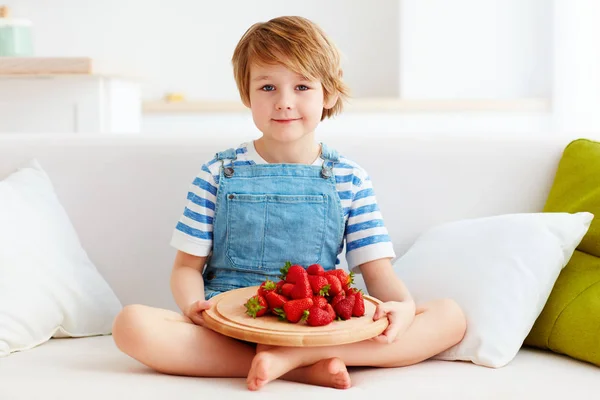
(299, 45)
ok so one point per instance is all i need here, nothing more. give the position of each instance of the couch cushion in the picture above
(48, 284)
(500, 270)
(570, 321)
(576, 187)
(93, 368)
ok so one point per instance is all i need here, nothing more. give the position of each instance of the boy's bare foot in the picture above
(329, 373)
(273, 363)
(267, 366)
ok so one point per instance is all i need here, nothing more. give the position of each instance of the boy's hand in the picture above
(400, 314)
(194, 311)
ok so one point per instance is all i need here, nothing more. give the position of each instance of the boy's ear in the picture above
(330, 100)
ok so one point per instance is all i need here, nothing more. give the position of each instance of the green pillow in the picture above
(570, 321)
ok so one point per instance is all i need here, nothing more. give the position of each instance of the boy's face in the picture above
(285, 106)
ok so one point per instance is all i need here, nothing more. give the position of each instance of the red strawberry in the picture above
(349, 281)
(319, 284)
(266, 286)
(318, 317)
(256, 306)
(292, 273)
(337, 298)
(345, 279)
(359, 304)
(275, 300)
(335, 286)
(302, 289)
(331, 311)
(279, 286)
(320, 301)
(294, 310)
(286, 289)
(344, 307)
(316, 270)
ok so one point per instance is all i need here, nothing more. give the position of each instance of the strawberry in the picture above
(345, 279)
(316, 270)
(302, 289)
(294, 310)
(335, 286)
(286, 289)
(349, 281)
(292, 273)
(337, 298)
(266, 286)
(275, 300)
(279, 286)
(331, 311)
(344, 307)
(319, 284)
(320, 301)
(318, 317)
(256, 306)
(359, 304)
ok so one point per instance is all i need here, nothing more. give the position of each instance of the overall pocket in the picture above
(265, 231)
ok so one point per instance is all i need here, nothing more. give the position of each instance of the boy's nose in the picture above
(284, 102)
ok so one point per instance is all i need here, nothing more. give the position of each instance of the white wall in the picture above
(478, 49)
(186, 45)
(418, 49)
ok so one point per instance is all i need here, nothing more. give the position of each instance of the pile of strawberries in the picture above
(313, 295)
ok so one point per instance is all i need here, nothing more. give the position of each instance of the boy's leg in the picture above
(170, 343)
(437, 326)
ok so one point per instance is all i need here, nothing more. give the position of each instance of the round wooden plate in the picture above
(228, 317)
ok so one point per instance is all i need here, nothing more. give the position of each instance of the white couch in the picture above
(124, 195)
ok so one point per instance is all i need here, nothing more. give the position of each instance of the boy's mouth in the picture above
(286, 120)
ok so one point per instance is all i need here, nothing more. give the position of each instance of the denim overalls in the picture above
(268, 214)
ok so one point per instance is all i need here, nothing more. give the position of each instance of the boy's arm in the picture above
(382, 283)
(187, 284)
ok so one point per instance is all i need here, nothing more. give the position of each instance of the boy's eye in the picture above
(268, 88)
(302, 87)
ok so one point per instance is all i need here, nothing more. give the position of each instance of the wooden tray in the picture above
(228, 317)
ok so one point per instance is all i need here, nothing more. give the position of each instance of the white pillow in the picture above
(499, 269)
(48, 285)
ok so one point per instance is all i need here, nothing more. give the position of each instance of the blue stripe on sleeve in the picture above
(205, 219)
(343, 178)
(197, 233)
(364, 210)
(345, 195)
(202, 184)
(343, 166)
(361, 226)
(364, 193)
(200, 201)
(366, 241)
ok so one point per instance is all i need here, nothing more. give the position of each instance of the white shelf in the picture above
(363, 105)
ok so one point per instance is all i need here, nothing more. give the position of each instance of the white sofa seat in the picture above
(93, 369)
(124, 195)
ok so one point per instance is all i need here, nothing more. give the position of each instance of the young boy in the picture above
(282, 197)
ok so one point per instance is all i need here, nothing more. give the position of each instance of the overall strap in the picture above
(228, 154)
(329, 154)
(330, 157)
